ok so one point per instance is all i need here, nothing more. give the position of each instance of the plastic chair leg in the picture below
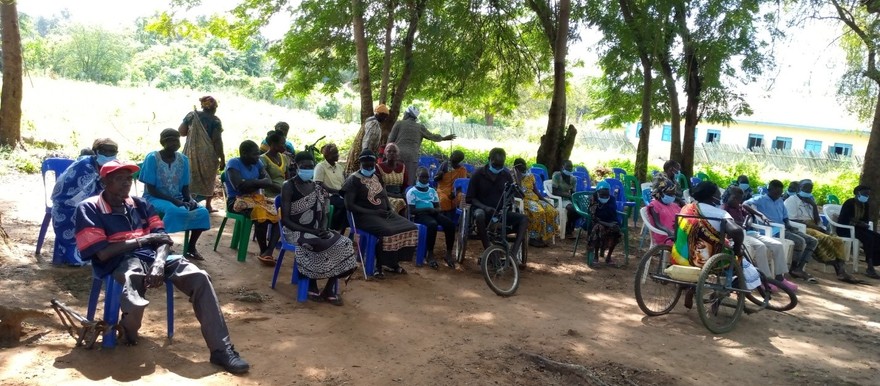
(370, 253)
(302, 284)
(185, 242)
(112, 295)
(43, 228)
(277, 268)
(169, 300)
(219, 233)
(244, 238)
(422, 246)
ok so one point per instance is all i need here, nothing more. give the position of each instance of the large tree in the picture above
(10, 97)
(558, 141)
(860, 85)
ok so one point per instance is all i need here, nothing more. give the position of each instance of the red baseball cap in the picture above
(115, 165)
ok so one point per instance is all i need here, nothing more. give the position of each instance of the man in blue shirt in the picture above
(772, 206)
(125, 238)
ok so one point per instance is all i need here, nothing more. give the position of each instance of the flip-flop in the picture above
(316, 297)
(267, 260)
(194, 256)
(849, 279)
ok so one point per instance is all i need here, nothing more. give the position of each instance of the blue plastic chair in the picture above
(112, 299)
(461, 184)
(56, 166)
(428, 162)
(366, 247)
(540, 177)
(582, 181)
(619, 194)
(302, 282)
(646, 196)
(581, 169)
(470, 168)
(619, 173)
(695, 181)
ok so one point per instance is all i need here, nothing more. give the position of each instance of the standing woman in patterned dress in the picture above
(321, 253)
(204, 148)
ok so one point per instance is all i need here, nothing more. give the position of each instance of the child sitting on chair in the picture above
(424, 208)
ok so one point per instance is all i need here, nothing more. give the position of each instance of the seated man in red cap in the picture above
(124, 237)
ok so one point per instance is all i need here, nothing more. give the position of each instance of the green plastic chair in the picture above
(241, 232)
(702, 176)
(832, 199)
(632, 187)
(683, 181)
(581, 202)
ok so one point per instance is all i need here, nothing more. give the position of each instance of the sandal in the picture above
(872, 275)
(433, 264)
(335, 300)
(267, 260)
(316, 297)
(194, 256)
(379, 275)
(847, 278)
(399, 270)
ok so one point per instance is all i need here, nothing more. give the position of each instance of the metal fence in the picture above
(716, 153)
(475, 131)
(605, 140)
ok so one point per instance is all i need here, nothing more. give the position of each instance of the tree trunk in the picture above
(418, 8)
(870, 171)
(10, 97)
(549, 153)
(674, 108)
(386, 62)
(490, 119)
(363, 60)
(693, 86)
(645, 131)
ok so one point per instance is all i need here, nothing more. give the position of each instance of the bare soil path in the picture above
(432, 327)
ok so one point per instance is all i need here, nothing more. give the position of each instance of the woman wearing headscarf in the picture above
(165, 174)
(368, 137)
(77, 183)
(408, 135)
(321, 253)
(542, 215)
(367, 201)
(204, 148)
(698, 236)
(855, 212)
(605, 231)
(830, 250)
(662, 211)
(395, 175)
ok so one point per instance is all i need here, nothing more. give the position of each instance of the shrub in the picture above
(329, 110)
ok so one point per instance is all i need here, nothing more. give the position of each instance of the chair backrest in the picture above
(632, 186)
(428, 162)
(470, 168)
(695, 181)
(682, 181)
(540, 177)
(832, 199)
(655, 172)
(582, 184)
(581, 203)
(548, 186)
(542, 166)
(617, 190)
(581, 169)
(646, 196)
(225, 182)
(56, 166)
(461, 184)
(832, 211)
(619, 173)
(702, 176)
(762, 190)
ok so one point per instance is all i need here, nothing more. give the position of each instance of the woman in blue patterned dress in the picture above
(166, 175)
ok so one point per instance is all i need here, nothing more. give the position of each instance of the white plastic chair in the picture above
(647, 223)
(832, 211)
(560, 202)
(787, 245)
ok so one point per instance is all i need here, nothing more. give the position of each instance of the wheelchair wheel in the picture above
(499, 270)
(719, 305)
(655, 295)
(783, 300)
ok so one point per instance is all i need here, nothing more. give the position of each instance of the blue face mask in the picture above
(604, 199)
(862, 198)
(421, 185)
(667, 199)
(495, 171)
(306, 174)
(791, 193)
(368, 173)
(103, 159)
(805, 194)
(744, 187)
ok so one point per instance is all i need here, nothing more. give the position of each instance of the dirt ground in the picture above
(431, 327)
